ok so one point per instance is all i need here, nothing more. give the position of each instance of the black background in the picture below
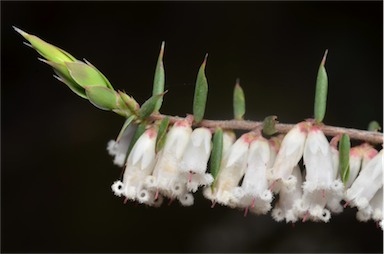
(56, 173)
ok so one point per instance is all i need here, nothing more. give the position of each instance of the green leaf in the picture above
(139, 131)
(63, 75)
(161, 134)
(269, 125)
(321, 91)
(344, 149)
(101, 74)
(201, 91)
(48, 51)
(125, 126)
(374, 126)
(85, 75)
(102, 97)
(148, 107)
(80, 91)
(238, 101)
(217, 153)
(159, 79)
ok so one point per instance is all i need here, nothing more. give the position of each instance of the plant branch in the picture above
(367, 136)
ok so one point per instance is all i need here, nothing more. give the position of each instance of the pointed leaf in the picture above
(161, 134)
(201, 91)
(374, 126)
(238, 101)
(125, 126)
(321, 91)
(102, 97)
(85, 75)
(101, 74)
(149, 106)
(217, 153)
(159, 79)
(344, 149)
(48, 51)
(72, 85)
(269, 125)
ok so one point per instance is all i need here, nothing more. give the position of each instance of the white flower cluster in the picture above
(255, 170)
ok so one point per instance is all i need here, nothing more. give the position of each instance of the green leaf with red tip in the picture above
(344, 149)
(374, 126)
(321, 92)
(217, 153)
(85, 75)
(201, 92)
(238, 102)
(149, 106)
(159, 79)
(161, 134)
(102, 97)
(269, 125)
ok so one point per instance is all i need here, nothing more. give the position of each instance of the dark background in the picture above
(56, 173)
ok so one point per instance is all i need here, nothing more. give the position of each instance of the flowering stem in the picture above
(367, 136)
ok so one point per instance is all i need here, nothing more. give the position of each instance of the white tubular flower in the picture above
(166, 176)
(232, 170)
(359, 157)
(376, 204)
(320, 187)
(335, 155)
(289, 155)
(285, 208)
(355, 161)
(140, 164)
(119, 149)
(374, 210)
(194, 162)
(274, 145)
(254, 191)
(368, 153)
(229, 138)
(318, 163)
(369, 181)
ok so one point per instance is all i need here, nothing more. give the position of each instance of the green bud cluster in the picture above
(83, 78)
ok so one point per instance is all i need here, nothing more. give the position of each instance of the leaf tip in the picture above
(21, 32)
(324, 57)
(205, 59)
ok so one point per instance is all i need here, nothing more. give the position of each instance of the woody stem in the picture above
(367, 136)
